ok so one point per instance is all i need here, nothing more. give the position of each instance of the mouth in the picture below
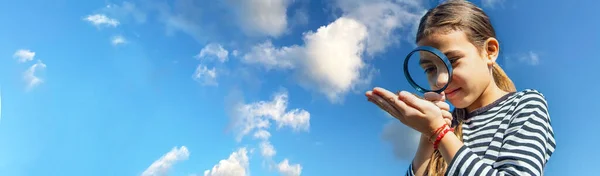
(451, 92)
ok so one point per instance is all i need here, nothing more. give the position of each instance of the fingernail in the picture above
(403, 93)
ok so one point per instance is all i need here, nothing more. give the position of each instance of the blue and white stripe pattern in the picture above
(512, 136)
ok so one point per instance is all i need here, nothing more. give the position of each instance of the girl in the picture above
(493, 130)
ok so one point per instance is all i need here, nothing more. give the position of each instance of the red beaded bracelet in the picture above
(440, 136)
(436, 132)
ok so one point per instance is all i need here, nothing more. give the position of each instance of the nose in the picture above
(441, 80)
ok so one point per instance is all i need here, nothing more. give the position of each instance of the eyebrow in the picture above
(447, 53)
(452, 52)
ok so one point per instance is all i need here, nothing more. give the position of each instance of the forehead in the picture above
(452, 40)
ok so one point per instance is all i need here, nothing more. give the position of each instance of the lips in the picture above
(451, 92)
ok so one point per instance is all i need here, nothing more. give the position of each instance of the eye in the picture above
(453, 60)
(430, 69)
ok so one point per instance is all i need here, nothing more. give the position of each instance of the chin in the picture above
(460, 102)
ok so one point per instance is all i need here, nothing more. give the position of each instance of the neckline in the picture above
(485, 108)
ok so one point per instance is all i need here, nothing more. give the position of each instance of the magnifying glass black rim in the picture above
(439, 54)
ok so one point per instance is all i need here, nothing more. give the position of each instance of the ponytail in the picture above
(502, 80)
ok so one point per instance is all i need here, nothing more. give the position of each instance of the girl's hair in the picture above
(464, 16)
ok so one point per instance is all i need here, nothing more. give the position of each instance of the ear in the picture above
(492, 49)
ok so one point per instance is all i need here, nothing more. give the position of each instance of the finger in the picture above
(442, 105)
(385, 105)
(404, 107)
(432, 96)
(447, 115)
(384, 93)
(414, 101)
(448, 121)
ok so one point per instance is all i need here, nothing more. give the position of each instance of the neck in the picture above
(489, 95)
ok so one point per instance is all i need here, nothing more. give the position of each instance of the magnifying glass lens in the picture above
(428, 71)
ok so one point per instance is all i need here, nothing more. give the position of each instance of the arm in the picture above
(419, 163)
(527, 146)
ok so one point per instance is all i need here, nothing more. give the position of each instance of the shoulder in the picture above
(529, 97)
(530, 106)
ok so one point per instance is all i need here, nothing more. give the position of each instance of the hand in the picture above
(440, 101)
(419, 114)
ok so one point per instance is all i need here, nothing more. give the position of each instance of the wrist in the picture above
(441, 135)
(435, 130)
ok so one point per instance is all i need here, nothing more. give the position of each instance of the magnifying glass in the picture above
(427, 69)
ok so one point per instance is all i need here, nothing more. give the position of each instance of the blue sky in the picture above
(182, 87)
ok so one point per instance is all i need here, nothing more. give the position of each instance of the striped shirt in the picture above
(511, 136)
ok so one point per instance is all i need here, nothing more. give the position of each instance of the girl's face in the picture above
(471, 68)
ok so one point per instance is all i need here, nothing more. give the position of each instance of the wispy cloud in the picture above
(102, 20)
(205, 76)
(530, 58)
(270, 57)
(492, 3)
(212, 51)
(24, 55)
(162, 166)
(258, 117)
(126, 10)
(117, 40)
(403, 139)
(258, 18)
(30, 76)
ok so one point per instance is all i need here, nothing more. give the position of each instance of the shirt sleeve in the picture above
(410, 171)
(526, 147)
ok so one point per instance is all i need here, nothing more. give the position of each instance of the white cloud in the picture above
(30, 75)
(330, 60)
(256, 116)
(102, 20)
(263, 17)
(213, 50)
(205, 76)
(24, 55)
(116, 40)
(161, 166)
(286, 169)
(404, 140)
(383, 19)
(236, 165)
(333, 62)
